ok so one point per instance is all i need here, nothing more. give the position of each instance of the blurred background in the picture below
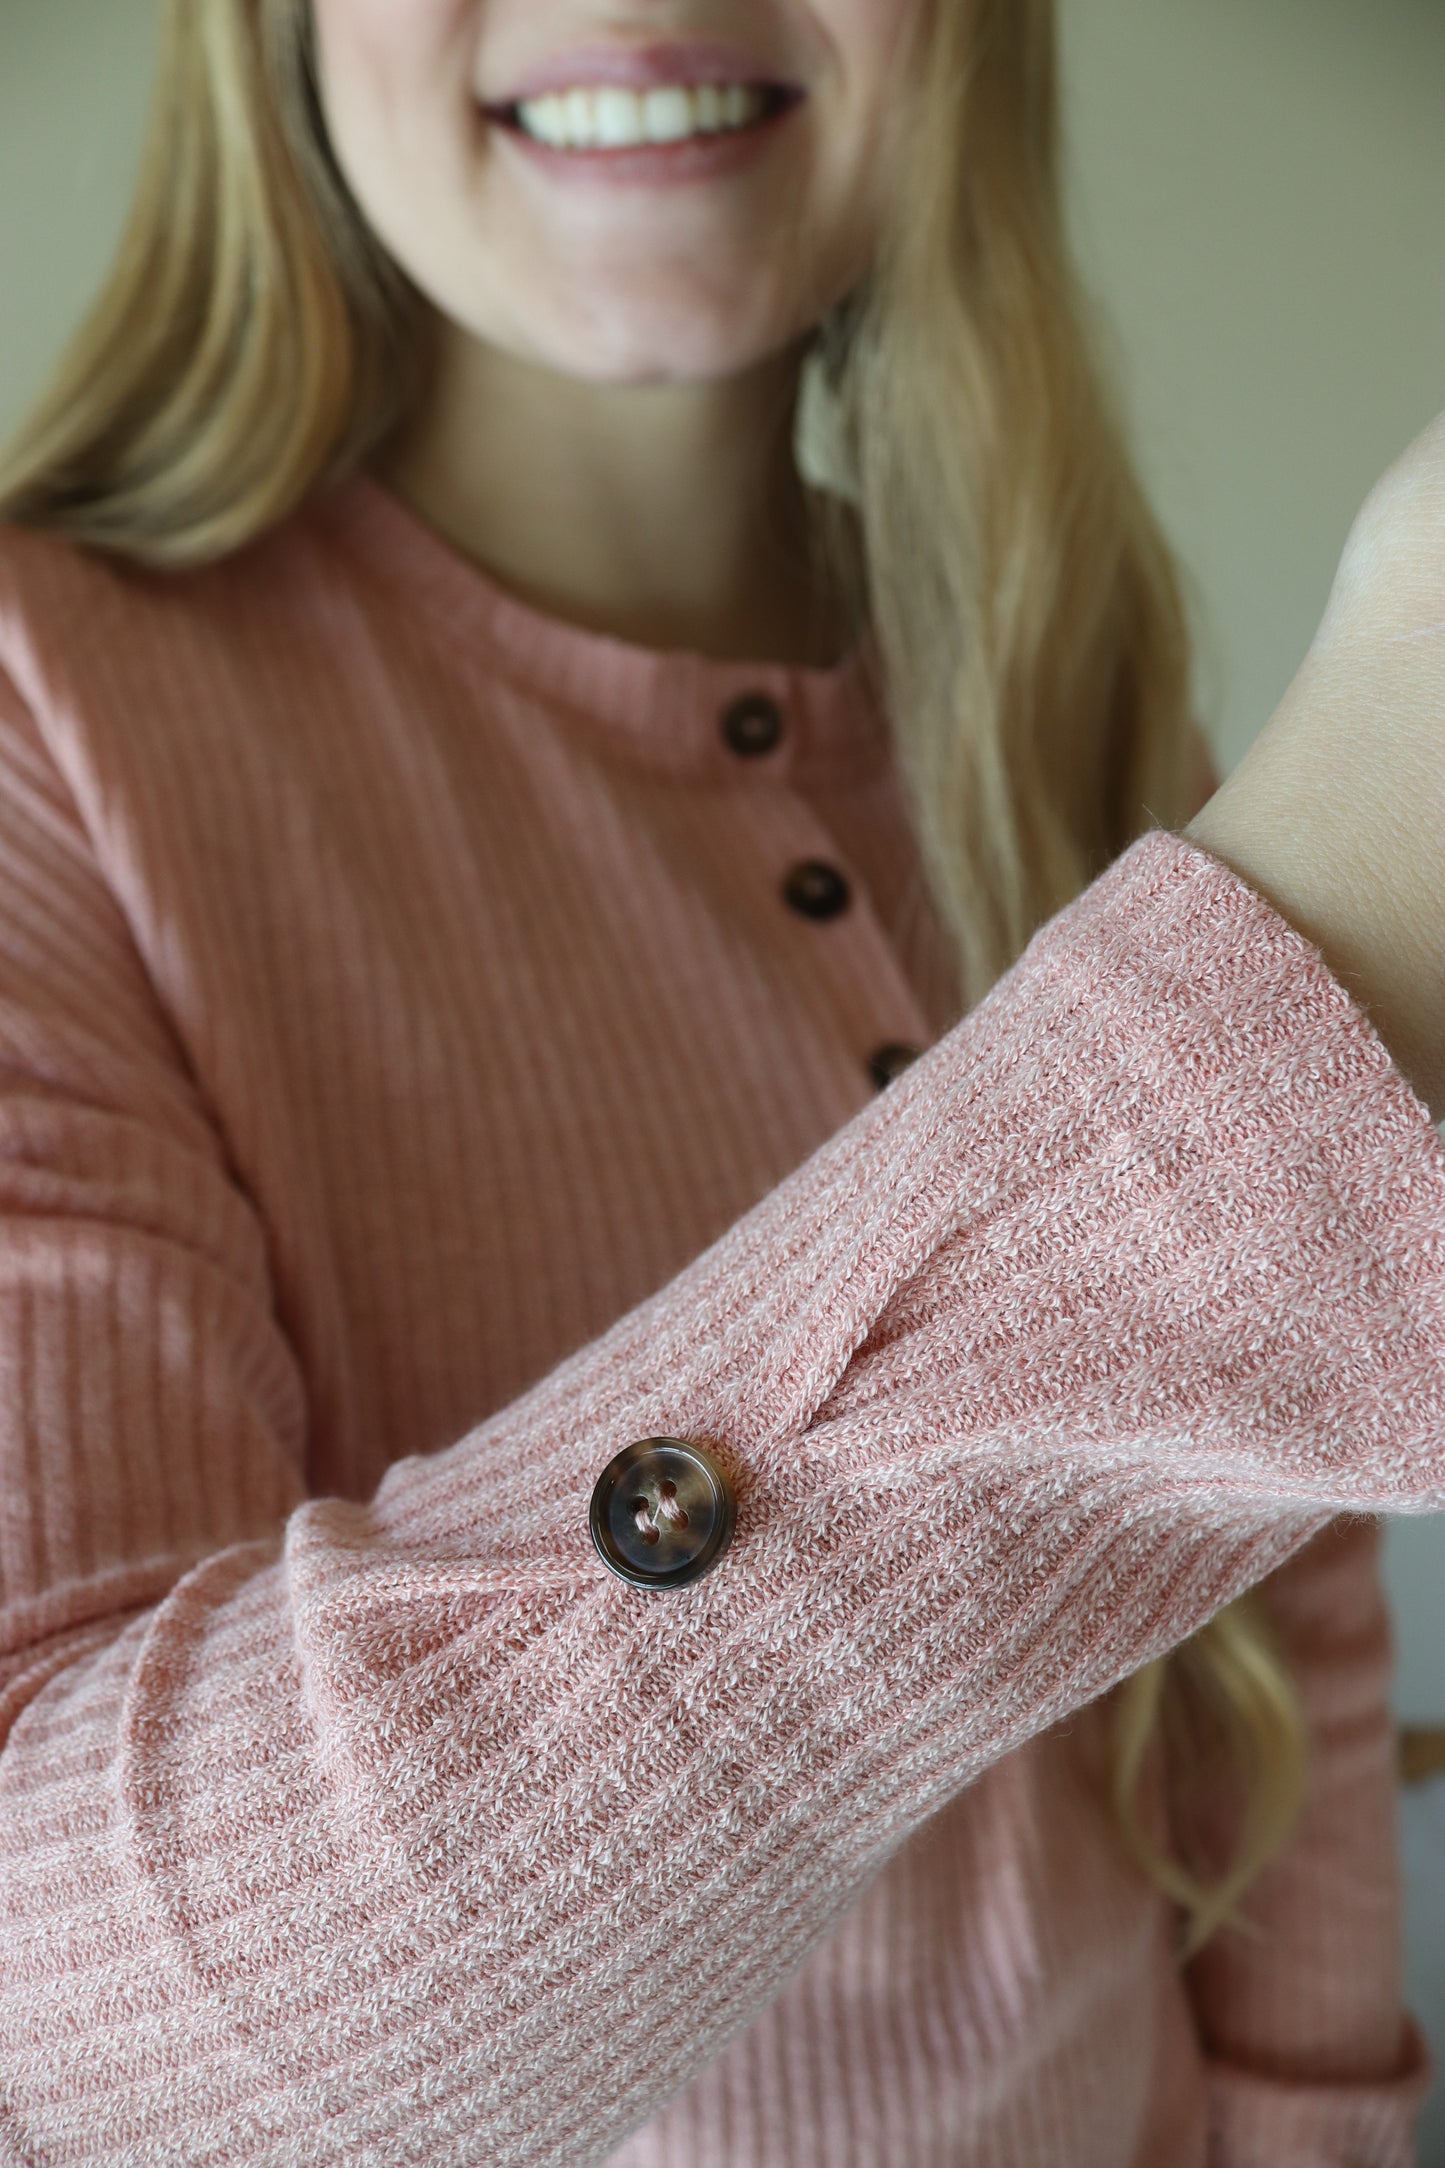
(1258, 200)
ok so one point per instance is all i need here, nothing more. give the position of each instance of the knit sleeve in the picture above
(401, 1830)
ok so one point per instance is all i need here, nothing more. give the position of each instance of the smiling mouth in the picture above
(608, 117)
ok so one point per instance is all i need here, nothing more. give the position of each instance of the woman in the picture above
(574, 1510)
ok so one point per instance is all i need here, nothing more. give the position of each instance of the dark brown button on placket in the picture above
(753, 724)
(890, 1061)
(816, 889)
(662, 1512)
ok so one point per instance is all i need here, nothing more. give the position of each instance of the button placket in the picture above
(814, 887)
(818, 889)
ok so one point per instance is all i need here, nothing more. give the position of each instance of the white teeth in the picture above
(610, 118)
(618, 119)
(667, 115)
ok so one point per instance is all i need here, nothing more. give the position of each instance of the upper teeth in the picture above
(611, 118)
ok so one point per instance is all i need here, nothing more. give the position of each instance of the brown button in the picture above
(887, 1062)
(753, 724)
(662, 1512)
(816, 889)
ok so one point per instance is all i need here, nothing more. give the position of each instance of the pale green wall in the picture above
(1259, 197)
(74, 78)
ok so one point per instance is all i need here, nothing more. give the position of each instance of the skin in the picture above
(1336, 814)
(609, 430)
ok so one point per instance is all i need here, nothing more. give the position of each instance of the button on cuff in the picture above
(662, 1512)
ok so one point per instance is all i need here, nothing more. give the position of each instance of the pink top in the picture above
(415, 1088)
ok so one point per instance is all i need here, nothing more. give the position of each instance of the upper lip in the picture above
(641, 67)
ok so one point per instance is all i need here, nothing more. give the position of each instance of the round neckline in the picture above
(657, 704)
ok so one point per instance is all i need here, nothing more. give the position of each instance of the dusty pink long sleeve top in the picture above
(414, 1087)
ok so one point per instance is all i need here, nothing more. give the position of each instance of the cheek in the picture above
(878, 46)
(894, 38)
(378, 58)
(877, 39)
(394, 80)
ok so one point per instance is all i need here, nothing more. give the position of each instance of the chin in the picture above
(667, 347)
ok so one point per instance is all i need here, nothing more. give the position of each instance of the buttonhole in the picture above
(674, 1512)
(642, 1514)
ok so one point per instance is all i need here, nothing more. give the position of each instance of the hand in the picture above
(1336, 815)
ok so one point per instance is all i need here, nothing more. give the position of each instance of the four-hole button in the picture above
(662, 1512)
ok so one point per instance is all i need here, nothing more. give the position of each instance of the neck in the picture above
(669, 515)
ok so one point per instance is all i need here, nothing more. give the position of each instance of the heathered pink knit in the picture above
(415, 1088)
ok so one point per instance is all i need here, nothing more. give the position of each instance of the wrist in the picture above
(1344, 855)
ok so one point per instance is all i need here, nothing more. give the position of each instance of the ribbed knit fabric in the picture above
(414, 1087)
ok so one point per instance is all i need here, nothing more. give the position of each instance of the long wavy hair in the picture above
(254, 343)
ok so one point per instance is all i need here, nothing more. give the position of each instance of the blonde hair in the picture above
(254, 342)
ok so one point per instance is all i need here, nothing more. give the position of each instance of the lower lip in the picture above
(696, 158)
